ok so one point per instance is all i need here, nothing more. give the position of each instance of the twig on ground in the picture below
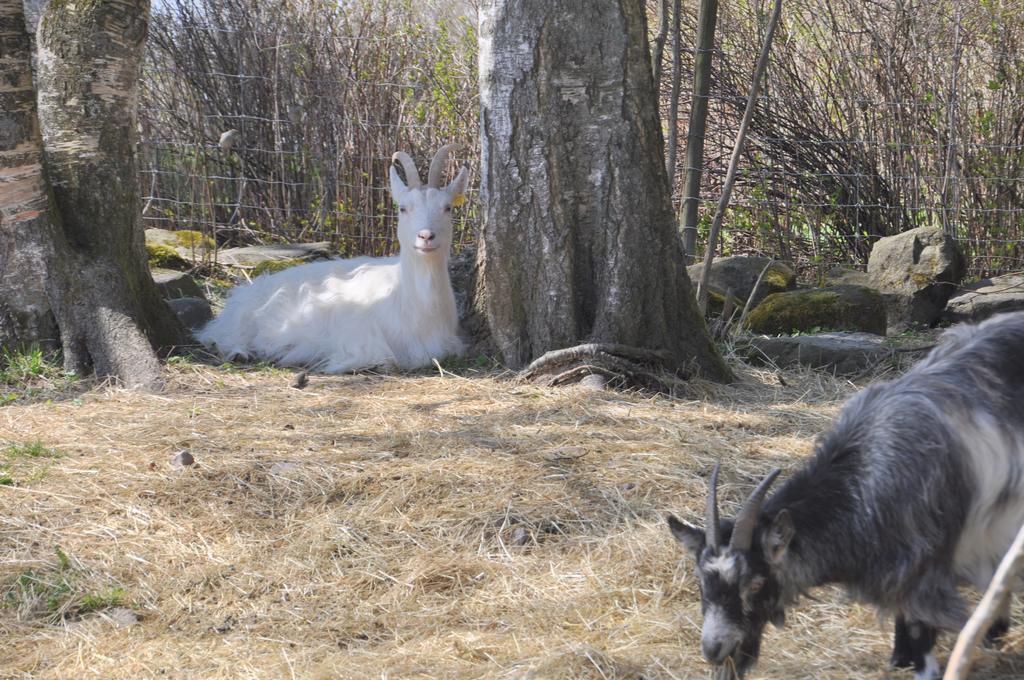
(994, 601)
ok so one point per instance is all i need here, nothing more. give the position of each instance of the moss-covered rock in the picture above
(187, 238)
(186, 244)
(273, 266)
(737, 275)
(165, 257)
(845, 308)
(161, 237)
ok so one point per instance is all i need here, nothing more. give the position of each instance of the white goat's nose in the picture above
(426, 235)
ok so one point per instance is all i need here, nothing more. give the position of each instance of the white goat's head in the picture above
(425, 212)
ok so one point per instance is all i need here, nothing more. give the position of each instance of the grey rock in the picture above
(250, 256)
(520, 536)
(183, 459)
(174, 284)
(986, 298)
(193, 312)
(840, 275)
(839, 353)
(284, 469)
(736, 275)
(918, 271)
(122, 617)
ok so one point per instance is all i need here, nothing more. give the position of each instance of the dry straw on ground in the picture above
(401, 527)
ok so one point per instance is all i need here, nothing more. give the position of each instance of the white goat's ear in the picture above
(690, 536)
(780, 533)
(457, 189)
(398, 188)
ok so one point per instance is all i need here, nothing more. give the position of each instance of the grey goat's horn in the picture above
(437, 166)
(746, 520)
(412, 175)
(711, 528)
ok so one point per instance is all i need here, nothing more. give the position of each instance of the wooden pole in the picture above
(697, 129)
(737, 151)
(673, 102)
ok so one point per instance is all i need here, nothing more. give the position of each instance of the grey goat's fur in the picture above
(916, 488)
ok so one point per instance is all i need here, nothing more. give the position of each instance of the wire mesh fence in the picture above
(875, 118)
(267, 121)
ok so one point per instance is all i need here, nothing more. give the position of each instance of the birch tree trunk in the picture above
(578, 242)
(78, 215)
(25, 241)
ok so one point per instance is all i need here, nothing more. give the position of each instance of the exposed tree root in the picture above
(621, 366)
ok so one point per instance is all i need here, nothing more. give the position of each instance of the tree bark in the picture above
(578, 242)
(78, 213)
(26, 316)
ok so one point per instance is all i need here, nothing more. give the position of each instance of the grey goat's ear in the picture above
(780, 533)
(690, 536)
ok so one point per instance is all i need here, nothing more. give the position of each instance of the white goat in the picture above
(345, 315)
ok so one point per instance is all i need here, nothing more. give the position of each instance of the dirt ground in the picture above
(426, 526)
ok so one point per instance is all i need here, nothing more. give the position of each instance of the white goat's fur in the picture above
(364, 312)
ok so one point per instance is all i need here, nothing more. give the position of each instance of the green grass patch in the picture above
(25, 463)
(29, 451)
(94, 602)
(58, 591)
(31, 374)
(23, 366)
(465, 365)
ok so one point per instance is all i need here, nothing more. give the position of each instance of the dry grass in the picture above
(402, 527)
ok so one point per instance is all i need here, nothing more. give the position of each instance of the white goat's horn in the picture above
(711, 512)
(412, 175)
(746, 520)
(437, 166)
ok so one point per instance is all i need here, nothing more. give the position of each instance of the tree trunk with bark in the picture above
(25, 242)
(579, 243)
(78, 215)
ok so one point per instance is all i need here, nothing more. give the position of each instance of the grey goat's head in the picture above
(739, 589)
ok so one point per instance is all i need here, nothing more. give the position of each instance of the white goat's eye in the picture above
(401, 208)
(447, 208)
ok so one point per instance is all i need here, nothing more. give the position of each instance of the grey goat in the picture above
(917, 488)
